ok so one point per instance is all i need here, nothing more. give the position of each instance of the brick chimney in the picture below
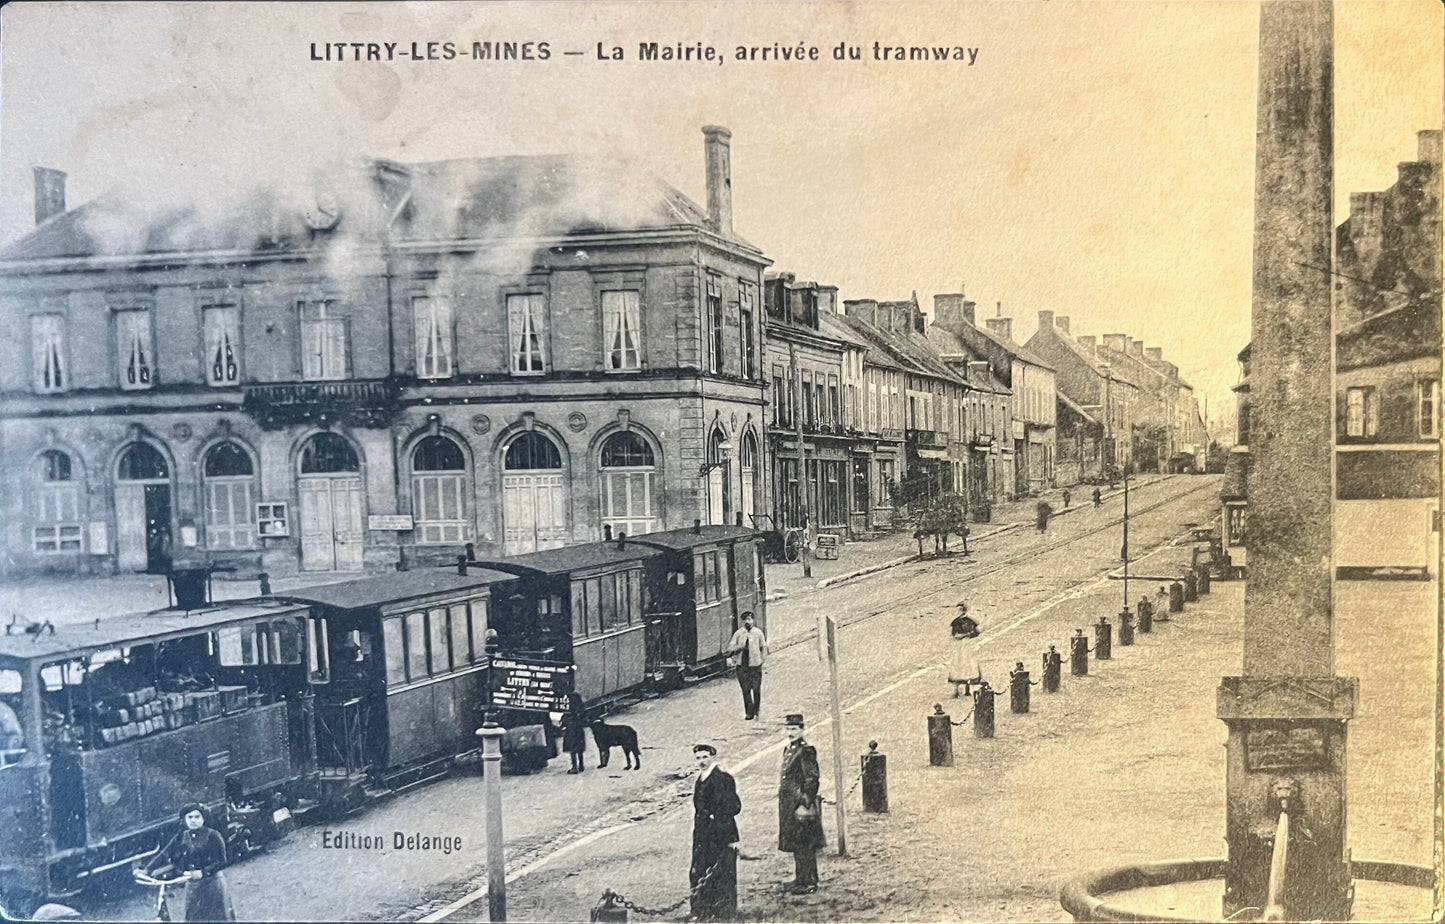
(948, 312)
(1087, 343)
(1046, 319)
(1155, 353)
(1001, 327)
(1118, 342)
(828, 299)
(717, 146)
(1136, 348)
(49, 193)
(1062, 323)
(1430, 146)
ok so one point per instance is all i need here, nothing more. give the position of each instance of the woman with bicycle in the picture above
(197, 854)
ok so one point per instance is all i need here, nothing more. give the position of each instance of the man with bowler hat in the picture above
(715, 806)
(800, 816)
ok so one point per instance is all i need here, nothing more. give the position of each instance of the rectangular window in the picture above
(1362, 412)
(579, 610)
(47, 340)
(433, 316)
(479, 629)
(415, 645)
(780, 416)
(527, 327)
(221, 327)
(323, 340)
(437, 634)
(745, 325)
(608, 586)
(437, 503)
(1429, 408)
(134, 348)
(391, 632)
(808, 418)
(61, 538)
(461, 639)
(835, 417)
(594, 605)
(622, 330)
(228, 513)
(716, 363)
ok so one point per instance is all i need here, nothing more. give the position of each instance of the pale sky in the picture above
(1096, 159)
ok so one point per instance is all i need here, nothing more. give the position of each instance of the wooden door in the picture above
(318, 543)
(534, 512)
(347, 528)
(130, 526)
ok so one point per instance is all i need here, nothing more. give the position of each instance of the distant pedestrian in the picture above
(964, 670)
(747, 650)
(713, 876)
(1098, 498)
(1068, 498)
(800, 815)
(199, 853)
(1042, 513)
(574, 731)
(1161, 603)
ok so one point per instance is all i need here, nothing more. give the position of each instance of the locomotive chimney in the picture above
(462, 565)
(621, 541)
(697, 527)
(607, 532)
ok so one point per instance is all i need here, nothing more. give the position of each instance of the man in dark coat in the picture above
(715, 806)
(800, 816)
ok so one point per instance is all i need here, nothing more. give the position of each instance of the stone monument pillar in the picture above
(1287, 712)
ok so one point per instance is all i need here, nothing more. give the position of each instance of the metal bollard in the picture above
(940, 738)
(1103, 639)
(1053, 667)
(1176, 597)
(1126, 627)
(983, 710)
(265, 584)
(1079, 654)
(609, 909)
(1191, 587)
(1146, 615)
(874, 771)
(1018, 689)
(1203, 578)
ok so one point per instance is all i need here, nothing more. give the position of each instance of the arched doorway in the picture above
(438, 491)
(230, 500)
(534, 495)
(143, 510)
(748, 467)
(719, 479)
(331, 502)
(629, 472)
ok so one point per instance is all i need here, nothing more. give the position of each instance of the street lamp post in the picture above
(491, 734)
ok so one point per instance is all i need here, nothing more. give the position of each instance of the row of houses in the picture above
(514, 353)
(1387, 315)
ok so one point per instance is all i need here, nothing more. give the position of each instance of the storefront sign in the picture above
(385, 521)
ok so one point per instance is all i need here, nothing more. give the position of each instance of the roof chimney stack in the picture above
(49, 193)
(1087, 342)
(1062, 323)
(1001, 327)
(1136, 347)
(1046, 319)
(1155, 353)
(718, 148)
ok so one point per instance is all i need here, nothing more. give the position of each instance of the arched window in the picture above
(327, 453)
(439, 490)
(748, 465)
(719, 481)
(534, 495)
(229, 477)
(628, 477)
(57, 505)
(531, 452)
(142, 462)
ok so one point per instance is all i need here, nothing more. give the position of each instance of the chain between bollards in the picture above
(611, 900)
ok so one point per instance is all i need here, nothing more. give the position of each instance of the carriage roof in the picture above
(695, 536)
(124, 631)
(381, 589)
(575, 558)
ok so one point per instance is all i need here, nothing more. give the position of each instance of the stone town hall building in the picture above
(510, 351)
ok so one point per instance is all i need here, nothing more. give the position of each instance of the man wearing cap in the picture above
(800, 816)
(747, 649)
(715, 806)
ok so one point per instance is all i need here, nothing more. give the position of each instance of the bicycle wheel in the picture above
(792, 549)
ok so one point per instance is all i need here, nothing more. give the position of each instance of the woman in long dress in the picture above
(200, 853)
(964, 671)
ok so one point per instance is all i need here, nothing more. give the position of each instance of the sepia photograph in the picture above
(674, 460)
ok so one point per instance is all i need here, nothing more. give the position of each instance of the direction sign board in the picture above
(538, 685)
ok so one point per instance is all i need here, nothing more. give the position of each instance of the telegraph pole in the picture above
(806, 553)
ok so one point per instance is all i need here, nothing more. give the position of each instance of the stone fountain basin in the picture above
(1190, 890)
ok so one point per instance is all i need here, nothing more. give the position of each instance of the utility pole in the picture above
(806, 553)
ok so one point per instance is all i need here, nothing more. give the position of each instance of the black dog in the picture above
(616, 736)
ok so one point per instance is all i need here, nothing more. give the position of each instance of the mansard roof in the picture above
(476, 198)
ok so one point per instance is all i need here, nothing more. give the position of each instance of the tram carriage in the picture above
(129, 717)
(407, 684)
